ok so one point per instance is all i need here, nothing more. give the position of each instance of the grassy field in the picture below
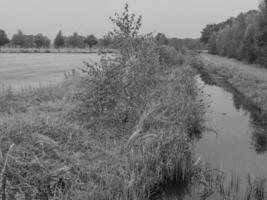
(24, 70)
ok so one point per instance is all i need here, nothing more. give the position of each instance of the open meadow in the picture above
(27, 70)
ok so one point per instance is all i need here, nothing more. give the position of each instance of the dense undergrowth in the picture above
(114, 132)
(121, 130)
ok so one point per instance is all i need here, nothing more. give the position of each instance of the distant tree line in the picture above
(243, 37)
(181, 44)
(21, 40)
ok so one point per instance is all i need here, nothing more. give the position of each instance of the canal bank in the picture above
(233, 148)
(250, 80)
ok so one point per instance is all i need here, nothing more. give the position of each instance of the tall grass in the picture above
(119, 131)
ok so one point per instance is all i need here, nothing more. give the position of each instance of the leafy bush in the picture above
(170, 55)
(116, 132)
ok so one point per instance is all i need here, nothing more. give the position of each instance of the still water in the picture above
(238, 143)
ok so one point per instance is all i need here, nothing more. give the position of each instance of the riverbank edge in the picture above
(46, 116)
(250, 88)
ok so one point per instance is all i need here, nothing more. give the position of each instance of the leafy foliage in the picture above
(41, 41)
(90, 40)
(161, 39)
(115, 132)
(262, 36)
(3, 38)
(243, 37)
(59, 41)
(29, 41)
(207, 32)
(75, 41)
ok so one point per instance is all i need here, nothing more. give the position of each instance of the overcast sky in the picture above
(176, 18)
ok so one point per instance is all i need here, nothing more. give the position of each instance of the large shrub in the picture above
(170, 55)
(120, 87)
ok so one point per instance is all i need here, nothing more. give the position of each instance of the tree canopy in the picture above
(90, 40)
(243, 37)
(3, 38)
(59, 41)
(41, 41)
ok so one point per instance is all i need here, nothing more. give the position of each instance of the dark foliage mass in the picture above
(59, 40)
(90, 40)
(243, 37)
(187, 43)
(29, 41)
(21, 40)
(3, 38)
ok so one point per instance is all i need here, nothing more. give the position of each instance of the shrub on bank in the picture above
(170, 55)
(117, 132)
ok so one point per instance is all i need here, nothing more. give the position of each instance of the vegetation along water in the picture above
(154, 120)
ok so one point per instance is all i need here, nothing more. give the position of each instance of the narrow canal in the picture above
(238, 143)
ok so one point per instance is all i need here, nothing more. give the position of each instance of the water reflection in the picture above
(259, 134)
(258, 120)
(171, 191)
(240, 145)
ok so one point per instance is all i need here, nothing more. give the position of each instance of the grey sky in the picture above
(176, 18)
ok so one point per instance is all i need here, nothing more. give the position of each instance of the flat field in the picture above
(26, 70)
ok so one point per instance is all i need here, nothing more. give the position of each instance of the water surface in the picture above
(239, 145)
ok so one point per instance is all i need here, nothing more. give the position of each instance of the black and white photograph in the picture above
(133, 100)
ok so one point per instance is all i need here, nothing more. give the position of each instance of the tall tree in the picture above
(90, 40)
(41, 41)
(75, 41)
(59, 41)
(207, 32)
(3, 38)
(19, 39)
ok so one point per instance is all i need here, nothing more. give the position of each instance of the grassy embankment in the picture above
(54, 146)
(117, 132)
(250, 80)
(114, 133)
(120, 131)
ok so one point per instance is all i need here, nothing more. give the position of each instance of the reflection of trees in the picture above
(259, 133)
(258, 120)
(237, 102)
